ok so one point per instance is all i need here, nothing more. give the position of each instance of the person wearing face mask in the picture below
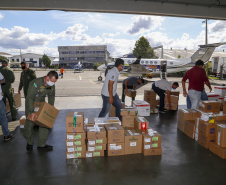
(38, 89)
(27, 75)
(161, 87)
(108, 93)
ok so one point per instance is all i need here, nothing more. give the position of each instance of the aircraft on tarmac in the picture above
(138, 67)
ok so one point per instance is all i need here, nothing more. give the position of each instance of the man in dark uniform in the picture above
(27, 75)
(7, 87)
(130, 83)
(38, 89)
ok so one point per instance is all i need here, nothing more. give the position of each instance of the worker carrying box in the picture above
(129, 85)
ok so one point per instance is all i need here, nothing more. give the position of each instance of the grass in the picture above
(213, 78)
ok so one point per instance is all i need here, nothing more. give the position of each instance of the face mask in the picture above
(174, 88)
(122, 67)
(49, 83)
(23, 67)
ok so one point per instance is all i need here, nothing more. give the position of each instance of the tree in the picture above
(45, 60)
(2, 58)
(179, 56)
(142, 48)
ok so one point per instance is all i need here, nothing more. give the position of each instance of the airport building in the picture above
(86, 55)
(32, 59)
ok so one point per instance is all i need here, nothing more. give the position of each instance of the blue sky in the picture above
(43, 31)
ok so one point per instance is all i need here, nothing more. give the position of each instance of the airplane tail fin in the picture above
(205, 51)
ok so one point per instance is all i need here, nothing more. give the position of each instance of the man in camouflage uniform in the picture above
(38, 89)
(7, 87)
(27, 75)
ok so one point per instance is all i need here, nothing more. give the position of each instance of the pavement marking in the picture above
(80, 77)
(91, 81)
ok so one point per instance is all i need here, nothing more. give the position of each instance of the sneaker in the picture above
(29, 147)
(45, 148)
(162, 111)
(7, 138)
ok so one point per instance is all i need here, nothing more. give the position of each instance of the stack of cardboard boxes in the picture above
(128, 117)
(75, 136)
(207, 124)
(17, 98)
(150, 97)
(174, 102)
(115, 139)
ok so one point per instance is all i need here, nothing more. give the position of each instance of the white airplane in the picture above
(138, 67)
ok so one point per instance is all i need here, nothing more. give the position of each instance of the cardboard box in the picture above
(115, 149)
(142, 107)
(22, 121)
(76, 155)
(175, 93)
(73, 143)
(156, 151)
(221, 90)
(141, 123)
(115, 133)
(213, 96)
(129, 112)
(96, 141)
(190, 125)
(208, 118)
(224, 100)
(221, 135)
(73, 149)
(224, 109)
(151, 100)
(76, 136)
(17, 99)
(154, 110)
(218, 150)
(174, 106)
(173, 99)
(74, 122)
(189, 133)
(113, 120)
(188, 114)
(128, 121)
(96, 132)
(112, 110)
(207, 129)
(97, 147)
(149, 93)
(153, 140)
(209, 106)
(89, 122)
(46, 114)
(130, 93)
(133, 142)
(205, 141)
(94, 154)
(180, 125)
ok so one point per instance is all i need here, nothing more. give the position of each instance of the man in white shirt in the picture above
(3, 118)
(108, 92)
(161, 87)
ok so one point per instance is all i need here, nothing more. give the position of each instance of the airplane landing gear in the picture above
(100, 78)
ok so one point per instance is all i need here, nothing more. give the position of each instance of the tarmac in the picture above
(183, 161)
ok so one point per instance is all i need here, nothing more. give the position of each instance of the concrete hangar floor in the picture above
(183, 161)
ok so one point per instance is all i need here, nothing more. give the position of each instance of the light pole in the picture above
(206, 31)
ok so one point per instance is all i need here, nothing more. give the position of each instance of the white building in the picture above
(33, 60)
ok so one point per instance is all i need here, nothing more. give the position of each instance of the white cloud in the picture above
(19, 37)
(144, 23)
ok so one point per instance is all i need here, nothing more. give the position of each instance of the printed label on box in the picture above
(70, 156)
(96, 153)
(155, 145)
(79, 154)
(89, 154)
(36, 109)
(71, 149)
(143, 125)
(78, 136)
(99, 141)
(155, 138)
(69, 136)
(147, 147)
(91, 148)
(78, 149)
(78, 142)
(133, 144)
(70, 143)
(98, 147)
(147, 140)
(92, 142)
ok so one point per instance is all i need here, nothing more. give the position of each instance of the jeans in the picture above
(3, 119)
(161, 94)
(106, 106)
(194, 96)
(203, 97)
(123, 90)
